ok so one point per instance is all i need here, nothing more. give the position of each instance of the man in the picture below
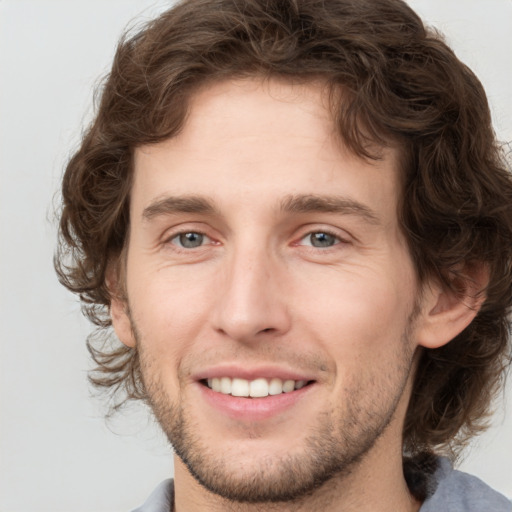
(296, 218)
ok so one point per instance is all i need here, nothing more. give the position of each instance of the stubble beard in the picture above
(333, 448)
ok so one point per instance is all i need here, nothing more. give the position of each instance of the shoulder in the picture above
(160, 500)
(456, 491)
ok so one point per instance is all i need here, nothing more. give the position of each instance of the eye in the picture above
(320, 239)
(190, 240)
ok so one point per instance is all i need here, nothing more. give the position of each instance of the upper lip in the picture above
(266, 372)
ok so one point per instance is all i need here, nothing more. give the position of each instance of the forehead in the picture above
(259, 105)
(253, 140)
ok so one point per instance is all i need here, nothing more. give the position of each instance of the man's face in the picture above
(265, 258)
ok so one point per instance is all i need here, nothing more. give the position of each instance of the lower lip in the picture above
(253, 409)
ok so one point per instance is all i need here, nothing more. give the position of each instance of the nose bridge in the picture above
(250, 302)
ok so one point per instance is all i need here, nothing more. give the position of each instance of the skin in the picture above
(256, 295)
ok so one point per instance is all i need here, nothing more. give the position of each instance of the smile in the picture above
(257, 388)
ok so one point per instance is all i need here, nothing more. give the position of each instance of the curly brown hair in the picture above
(392, 81)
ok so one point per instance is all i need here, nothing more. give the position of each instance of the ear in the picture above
(447, 311)
(119, 312)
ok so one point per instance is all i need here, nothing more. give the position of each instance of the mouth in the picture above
(256, 388)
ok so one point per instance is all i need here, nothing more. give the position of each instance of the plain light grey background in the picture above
(57, 453)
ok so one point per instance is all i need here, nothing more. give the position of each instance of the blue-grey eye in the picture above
(321, 239)
(190, 240)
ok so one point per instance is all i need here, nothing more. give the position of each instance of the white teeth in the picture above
(239, 387)
(275, 387)
(225, 385)
(216, 384)
(288, 385)
(257, 388)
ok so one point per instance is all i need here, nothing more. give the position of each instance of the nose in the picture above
(251, 300)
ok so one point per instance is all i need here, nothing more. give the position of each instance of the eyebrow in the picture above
(178, 204)
(328, 204)
(302, 203)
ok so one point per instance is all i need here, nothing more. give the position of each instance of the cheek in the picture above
(360, 314)
(169, 311)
